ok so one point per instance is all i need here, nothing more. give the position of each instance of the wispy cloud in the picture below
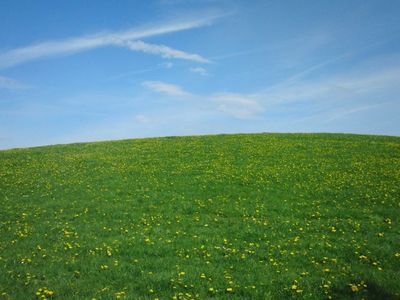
(141, 119)
(21, 55)
(350, 95)
(199, 70)
(349, 86)
(346, 112)
(240, 53)
(11, 84)
(167, 65)
(164, 51)
(240, 106)
(134, 73)
(166, 88)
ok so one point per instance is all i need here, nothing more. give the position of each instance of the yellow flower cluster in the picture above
(44, 293)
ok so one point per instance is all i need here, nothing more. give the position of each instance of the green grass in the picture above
(259, 216)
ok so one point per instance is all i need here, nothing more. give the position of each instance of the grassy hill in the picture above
(255, 216)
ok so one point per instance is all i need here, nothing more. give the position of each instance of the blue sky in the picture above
(74, 71)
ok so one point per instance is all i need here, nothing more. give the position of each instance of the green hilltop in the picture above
(251, 216)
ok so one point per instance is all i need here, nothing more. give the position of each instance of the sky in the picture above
(77, 71)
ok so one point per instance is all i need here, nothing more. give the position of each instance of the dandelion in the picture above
(44, 293)
(354, 288)
(26, 261)
(119, 295)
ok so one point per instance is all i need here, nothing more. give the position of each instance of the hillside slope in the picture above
(229, 216)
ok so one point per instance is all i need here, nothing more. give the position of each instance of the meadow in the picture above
(244, 216)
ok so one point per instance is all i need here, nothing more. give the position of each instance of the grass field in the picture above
(259, 216)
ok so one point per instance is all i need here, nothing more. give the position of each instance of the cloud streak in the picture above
(333, 98)
(362, 84)
(166, 88)
(239, 106)
(22, 55)
(199, 70)
(164, 51)
(11, 84)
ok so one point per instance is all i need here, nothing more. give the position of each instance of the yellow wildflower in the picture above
(354, 288)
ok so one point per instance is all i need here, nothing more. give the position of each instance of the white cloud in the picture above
(199, 70)
(329, 99)
(166, 88)
(21, 55)
(141, 119)
(11, 84)
(346, 97)
(356, 85)
(167, 65)
(346, 112)
(238, 105)
(163, 50)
